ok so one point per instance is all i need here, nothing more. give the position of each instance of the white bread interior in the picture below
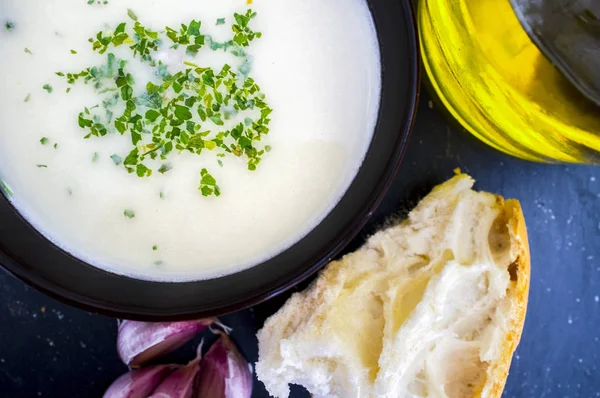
(430, 307)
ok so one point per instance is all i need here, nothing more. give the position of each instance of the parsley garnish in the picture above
(164, 168)
(28, 51)
(131, 14)
(198, 109)
(9, 25)
(5, 188)
(208, 184)
(129, 213)
(117, 159)
(44, 140)
(48, 88)
(243, 34)
(155, 247)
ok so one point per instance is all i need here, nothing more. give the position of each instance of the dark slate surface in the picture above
(48, 349)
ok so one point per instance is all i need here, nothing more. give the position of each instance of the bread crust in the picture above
(497, 373)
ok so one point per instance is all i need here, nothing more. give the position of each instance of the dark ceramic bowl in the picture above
(29, 256)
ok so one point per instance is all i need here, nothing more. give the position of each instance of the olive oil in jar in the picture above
(495, 81)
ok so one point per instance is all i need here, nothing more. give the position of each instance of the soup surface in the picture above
(172, 152)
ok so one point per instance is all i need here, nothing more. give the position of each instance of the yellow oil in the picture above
(500, 87)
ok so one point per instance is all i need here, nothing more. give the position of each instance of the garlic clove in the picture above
(140, 342)
(182, 383)
(139, 383)
(224, 372)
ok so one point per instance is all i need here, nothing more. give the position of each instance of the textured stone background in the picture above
(51, 350)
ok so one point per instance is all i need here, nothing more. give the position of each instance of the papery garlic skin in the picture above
(182, 383)
(139, 383)
(141, 342)
(224, 372)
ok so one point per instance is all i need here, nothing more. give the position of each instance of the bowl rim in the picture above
(356, 224)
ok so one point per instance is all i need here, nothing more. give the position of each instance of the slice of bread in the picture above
(433, 306)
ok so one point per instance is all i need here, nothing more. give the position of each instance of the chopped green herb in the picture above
(95, 157)
(159, 263)
(44, 140)
(48, 88)
(129, 213)
(155, 247)
(142, 171)
(117, 159)
(221, 21)
(9, 25)
(28, 51)
(73, 52)
(208, 184)
(5, 188)
(162, 195)
(164, 168)
(55, 146)
(131, 14)
(27, 98)
(243, 34)
(198, 109)
(42, 166)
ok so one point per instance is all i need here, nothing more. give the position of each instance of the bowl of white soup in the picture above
(170, 159)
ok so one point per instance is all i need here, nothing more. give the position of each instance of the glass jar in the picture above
(490, 76)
